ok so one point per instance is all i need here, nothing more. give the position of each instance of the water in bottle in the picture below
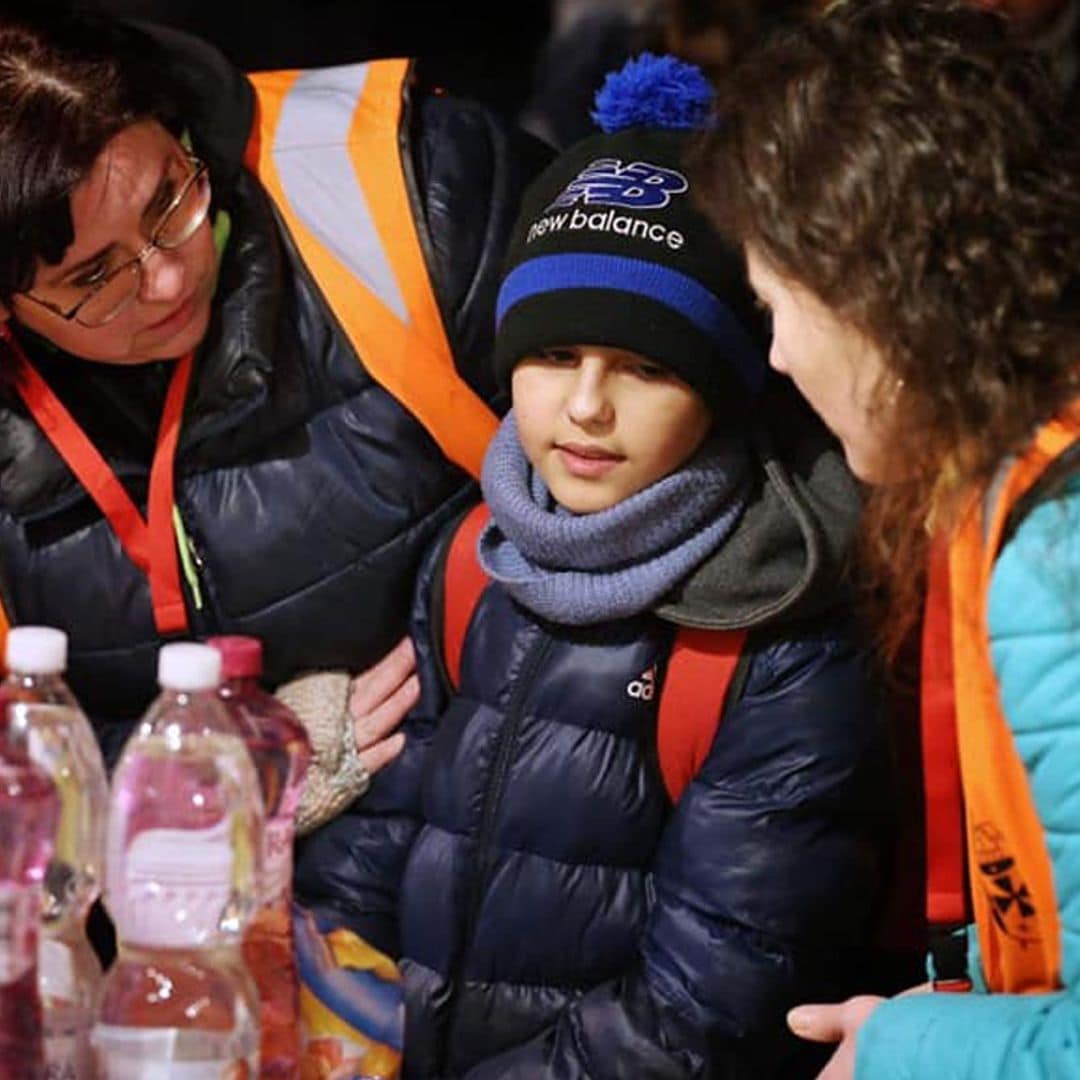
(44, 718)
(183, 851)
(29, 811)
(279, 749)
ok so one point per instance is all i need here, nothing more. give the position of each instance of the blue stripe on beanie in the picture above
(677, 291)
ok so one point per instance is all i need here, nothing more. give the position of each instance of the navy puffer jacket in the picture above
(554, 916)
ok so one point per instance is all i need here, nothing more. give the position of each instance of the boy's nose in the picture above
(589, 401)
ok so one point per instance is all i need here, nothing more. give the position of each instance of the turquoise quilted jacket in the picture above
(1034, 616)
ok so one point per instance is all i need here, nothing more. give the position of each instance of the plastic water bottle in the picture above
(279, 749)
(46, 721)
(29, 811)
(183, 856)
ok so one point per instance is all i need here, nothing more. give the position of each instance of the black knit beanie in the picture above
(609, 248)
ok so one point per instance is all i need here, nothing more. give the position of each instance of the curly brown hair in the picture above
(909, 164)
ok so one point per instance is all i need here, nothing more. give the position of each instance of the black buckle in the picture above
(948, 955)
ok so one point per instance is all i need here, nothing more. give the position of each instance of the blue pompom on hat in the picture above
(653, 91)
(610, 248)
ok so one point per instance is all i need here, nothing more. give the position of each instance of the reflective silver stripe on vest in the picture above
(312, 159)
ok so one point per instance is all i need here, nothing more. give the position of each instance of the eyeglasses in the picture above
(178, 223)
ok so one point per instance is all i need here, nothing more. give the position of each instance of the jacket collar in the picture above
(788, 559)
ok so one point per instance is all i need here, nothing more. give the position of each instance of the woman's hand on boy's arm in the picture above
(364, 841)
(351, 725)
(379, 699)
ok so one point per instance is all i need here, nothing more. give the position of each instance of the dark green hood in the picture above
(788, 558)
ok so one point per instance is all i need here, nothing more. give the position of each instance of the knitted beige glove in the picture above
(336, 775)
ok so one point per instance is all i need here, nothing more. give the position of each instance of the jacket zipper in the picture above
(492, 799)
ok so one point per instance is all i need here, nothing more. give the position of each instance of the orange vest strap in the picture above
(464, 582)
(700, 670)
(1009, 869)
(339, 131)
(946, 889)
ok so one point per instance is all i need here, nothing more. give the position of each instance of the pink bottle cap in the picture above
(241, 656)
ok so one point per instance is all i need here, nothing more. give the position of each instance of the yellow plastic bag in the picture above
(352, 1005)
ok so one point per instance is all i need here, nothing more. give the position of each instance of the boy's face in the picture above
(600, 424)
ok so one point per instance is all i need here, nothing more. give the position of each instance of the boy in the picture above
(553, 913)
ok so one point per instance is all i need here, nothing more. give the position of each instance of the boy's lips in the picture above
(588, 450)
(586, 460)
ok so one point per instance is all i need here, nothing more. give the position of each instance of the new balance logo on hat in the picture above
(607, 221)
(610, 248)
(637, 186)
(607, 182)
(644, 686)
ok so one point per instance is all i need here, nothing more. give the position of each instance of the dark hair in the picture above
(910, 165)
(714, 34)
(68, 83)
(744, 20)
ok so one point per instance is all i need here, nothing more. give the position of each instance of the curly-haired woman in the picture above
(909, 203)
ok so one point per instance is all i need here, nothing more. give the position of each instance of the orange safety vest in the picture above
(969, 753)
(328, 145)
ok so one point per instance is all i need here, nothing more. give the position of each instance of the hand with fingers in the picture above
(840, 1024)
(836, 1024)
(379, 699)
(351, 725)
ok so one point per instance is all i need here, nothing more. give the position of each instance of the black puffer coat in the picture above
(308, 493)
(554, 915)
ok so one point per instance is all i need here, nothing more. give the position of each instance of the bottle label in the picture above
(19, 907)
(177, 885)
(277, 859)
(131, 1053)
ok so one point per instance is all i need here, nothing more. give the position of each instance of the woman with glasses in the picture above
(907, 194)
(245, 328)
(104, 284)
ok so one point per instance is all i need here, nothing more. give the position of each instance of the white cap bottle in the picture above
(44, 716)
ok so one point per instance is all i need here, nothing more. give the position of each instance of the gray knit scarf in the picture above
(578, 569)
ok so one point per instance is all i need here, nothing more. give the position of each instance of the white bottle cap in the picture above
(185, 665)
(36, 650)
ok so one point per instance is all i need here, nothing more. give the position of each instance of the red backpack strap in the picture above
(947, 907)
(463, 582)
(699, 675)
(700, 669)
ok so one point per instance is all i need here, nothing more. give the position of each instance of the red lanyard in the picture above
(151, 543)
